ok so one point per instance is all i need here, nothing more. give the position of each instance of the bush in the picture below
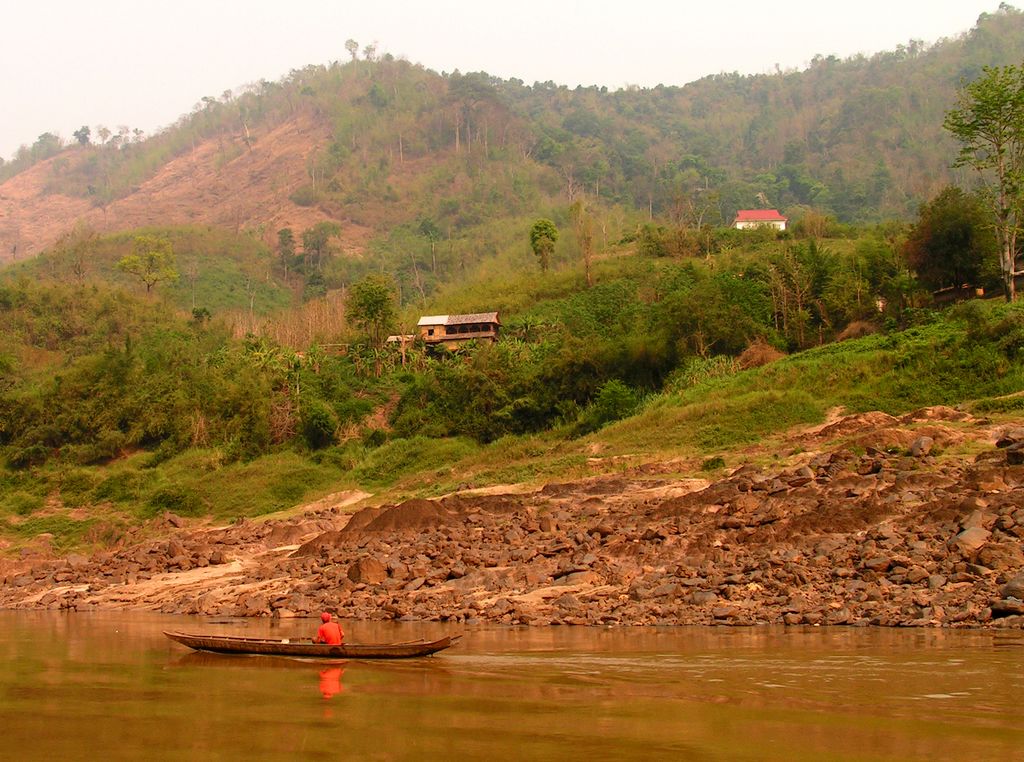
(123, 487)
(304, 196)
(759, 353)
(614, 402)
(713, 464)
(319, 423)
(23, 503)
(176, 499)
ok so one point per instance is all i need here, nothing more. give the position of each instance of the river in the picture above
(111, 686)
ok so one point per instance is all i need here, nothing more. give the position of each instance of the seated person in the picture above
(329, 632)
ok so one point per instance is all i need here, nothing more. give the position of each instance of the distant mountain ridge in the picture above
(378, 144)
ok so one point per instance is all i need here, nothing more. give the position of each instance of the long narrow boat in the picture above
(228, 644)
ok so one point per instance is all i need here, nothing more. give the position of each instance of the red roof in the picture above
(759, 215)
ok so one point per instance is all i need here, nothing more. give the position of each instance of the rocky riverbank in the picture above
(869, 520)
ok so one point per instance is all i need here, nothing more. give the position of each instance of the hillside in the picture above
(210, 185)
(378, 144)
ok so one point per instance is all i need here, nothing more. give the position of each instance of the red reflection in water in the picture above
(330, 681)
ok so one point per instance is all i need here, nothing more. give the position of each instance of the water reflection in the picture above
(330, 682)
(680, 693)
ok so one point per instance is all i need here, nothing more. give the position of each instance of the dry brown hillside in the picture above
(199, 187)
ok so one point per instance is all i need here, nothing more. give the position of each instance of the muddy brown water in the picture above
(110, 686)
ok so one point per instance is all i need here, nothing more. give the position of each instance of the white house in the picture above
(759, 218)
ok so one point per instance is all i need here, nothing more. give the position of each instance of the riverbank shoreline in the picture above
(866, 520)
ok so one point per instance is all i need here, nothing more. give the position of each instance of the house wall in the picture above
(748, 224)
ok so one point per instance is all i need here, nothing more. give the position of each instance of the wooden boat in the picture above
(229, 644)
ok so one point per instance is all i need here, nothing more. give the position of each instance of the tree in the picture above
(286, 247)
(584, 236)
(82, 135)
(151, 261)
(989, 123)
(75, 248)
(316, 242)
(371, 307)
(950, 241)
(429, 230)
(352, 47)
(543, 236)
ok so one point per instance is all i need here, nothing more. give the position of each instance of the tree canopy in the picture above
(543, 236)
(952, 241)
(989, 124)
(371, 307)
(151, 261)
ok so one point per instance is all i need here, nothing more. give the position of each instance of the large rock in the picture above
(970, 540)
(1001, 556)
(921, 446)
(368, 570)
(1011, 437)
(1014, 588)
(1007, 607)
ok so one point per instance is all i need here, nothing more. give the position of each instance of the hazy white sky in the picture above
(143, 63)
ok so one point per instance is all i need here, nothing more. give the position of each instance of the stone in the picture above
(921, 446)
(915, 574)
(368, 570)
(1015, 454)
(1007, 607)
(1001, 556)
(979, 518)
(1010, 437)
(970, 540)
(1014, 588)
(879, 564)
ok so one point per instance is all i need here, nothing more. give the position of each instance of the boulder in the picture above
(1010, 437)
(368, 570)
(1014, 588)
(921, 446)
(970, 540)
(879, 564)
(979, 518)
(1007, 607)
(1001, 556)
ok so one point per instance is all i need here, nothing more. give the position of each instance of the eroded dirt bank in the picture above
(867, 520)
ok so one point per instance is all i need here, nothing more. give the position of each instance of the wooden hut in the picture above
(452, 331)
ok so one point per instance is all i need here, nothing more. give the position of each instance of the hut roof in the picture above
(475, 317)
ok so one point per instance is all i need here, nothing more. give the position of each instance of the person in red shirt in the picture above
(329, 632)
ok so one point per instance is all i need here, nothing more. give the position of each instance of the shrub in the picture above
(614, 402)
(177, 499)
(759, 353)
(23, 503)
(858, 329)
(319, 423)
(713, 464)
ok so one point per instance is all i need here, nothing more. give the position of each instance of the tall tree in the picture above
(151, 261)
(316, 242)
(286, 248)
(75, 249)
(951, 240)
(989, 123)
(584, 236)
(371, 307)
(543, 236)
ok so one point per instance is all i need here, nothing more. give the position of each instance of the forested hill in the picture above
(377, 142)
